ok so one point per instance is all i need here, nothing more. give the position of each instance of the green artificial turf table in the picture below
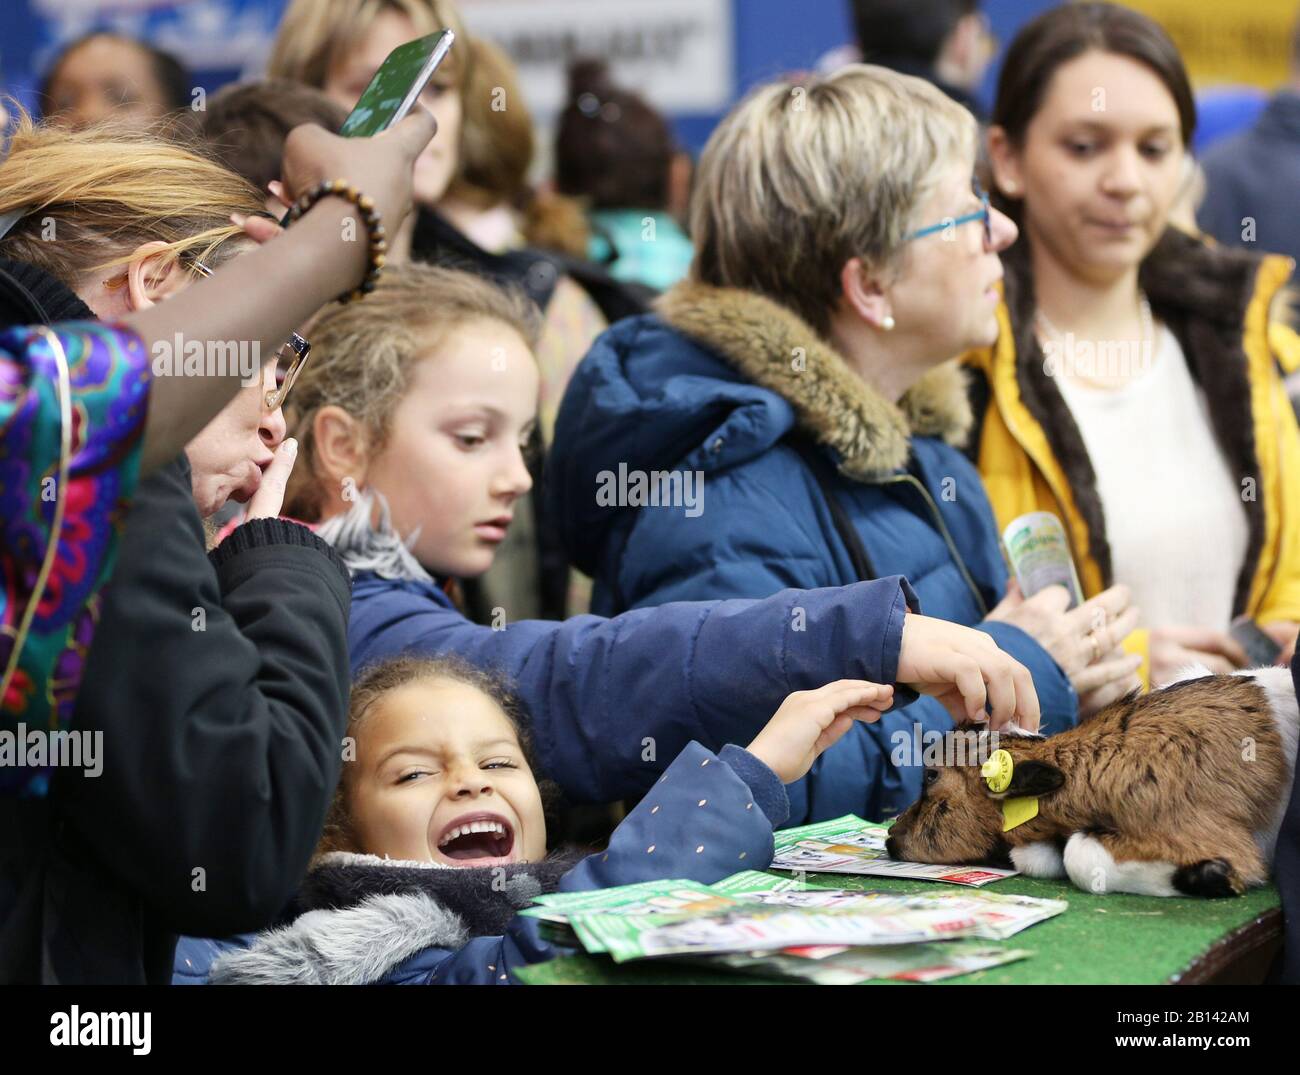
(1111, 939)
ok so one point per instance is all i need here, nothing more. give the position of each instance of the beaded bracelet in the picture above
(340, 188)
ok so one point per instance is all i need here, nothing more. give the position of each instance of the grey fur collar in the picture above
(355, 946)
(365, 547)
(759, 338)
(363, 915)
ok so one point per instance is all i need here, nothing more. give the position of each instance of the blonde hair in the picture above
(802, 176)
(90, 197)
(363, 354)
(497, 147)
(315, 34)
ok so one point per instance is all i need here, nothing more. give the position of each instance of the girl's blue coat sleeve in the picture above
(874, 771)
(708, 816)
(777, 533)
(611, 700)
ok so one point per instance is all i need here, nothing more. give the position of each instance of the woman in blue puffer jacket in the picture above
(789, 416)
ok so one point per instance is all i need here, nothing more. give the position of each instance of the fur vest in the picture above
(1218, 303)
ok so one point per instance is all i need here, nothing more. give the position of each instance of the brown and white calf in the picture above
(1179, 791)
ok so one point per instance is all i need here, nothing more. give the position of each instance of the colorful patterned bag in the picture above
(72, 409)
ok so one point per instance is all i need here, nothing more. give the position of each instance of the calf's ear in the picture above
(1035, 778)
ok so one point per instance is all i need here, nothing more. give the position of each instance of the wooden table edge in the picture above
(1248, 950)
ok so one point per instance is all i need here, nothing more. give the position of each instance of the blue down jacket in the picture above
(610, 701)
(375, 921)
(715, 387)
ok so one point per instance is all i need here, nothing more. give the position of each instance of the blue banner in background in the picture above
(217, 40)
(222, 40)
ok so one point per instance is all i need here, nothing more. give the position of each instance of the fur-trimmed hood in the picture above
(775, 348)
(715, 378)
(363, 915)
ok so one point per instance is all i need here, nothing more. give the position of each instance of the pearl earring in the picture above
(887, 323)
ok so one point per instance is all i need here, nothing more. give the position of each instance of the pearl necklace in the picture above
(1048, 332)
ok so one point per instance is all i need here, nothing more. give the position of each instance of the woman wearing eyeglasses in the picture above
(206, 694)
(1136, 386)
(103, 223)
(801, 385)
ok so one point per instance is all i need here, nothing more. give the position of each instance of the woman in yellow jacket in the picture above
(1135, 390)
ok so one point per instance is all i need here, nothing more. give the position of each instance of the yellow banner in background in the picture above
(1245, 42)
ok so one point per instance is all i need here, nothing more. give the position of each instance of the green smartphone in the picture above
(397, 85)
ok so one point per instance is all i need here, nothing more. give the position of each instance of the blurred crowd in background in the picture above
(1244, 65)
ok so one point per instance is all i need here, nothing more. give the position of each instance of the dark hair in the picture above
(1060, 35)
(172, 76)
(1035, 55)
(611, 147)
(245, 125)
(907, 32)
(378, 680)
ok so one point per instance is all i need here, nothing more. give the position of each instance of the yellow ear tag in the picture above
(997, 774)
(1017, 812)
(997, 771)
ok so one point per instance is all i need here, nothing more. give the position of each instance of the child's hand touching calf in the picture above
(810, 722)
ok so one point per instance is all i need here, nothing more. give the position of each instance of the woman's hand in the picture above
(258, 228)
(809, 722)
(381, 166)
(964, 671)
(1284, 633)
(262, 229)
(1109, 680)
(269, 498)
(1080, 638)
(1173, 648)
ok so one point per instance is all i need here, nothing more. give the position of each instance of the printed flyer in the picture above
(850, 845)
(780, 919)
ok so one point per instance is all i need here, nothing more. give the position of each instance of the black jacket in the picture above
(219, 684)
(535, 271)
(31, 296)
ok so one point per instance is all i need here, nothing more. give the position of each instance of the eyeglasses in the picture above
(289, 360)
(953, 222)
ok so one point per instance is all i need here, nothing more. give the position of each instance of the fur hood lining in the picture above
(361, 915)
(355, 946)
(1206, 295)
(762, 340)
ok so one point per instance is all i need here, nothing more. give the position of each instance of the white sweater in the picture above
(1175, 518)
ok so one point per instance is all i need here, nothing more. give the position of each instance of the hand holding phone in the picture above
(397, 85)
(382, 167)
(1260, 648)
(393, 90)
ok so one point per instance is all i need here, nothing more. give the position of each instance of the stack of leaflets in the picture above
(565, 916)
(853, 846)
(758, 923)
(850, 966)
